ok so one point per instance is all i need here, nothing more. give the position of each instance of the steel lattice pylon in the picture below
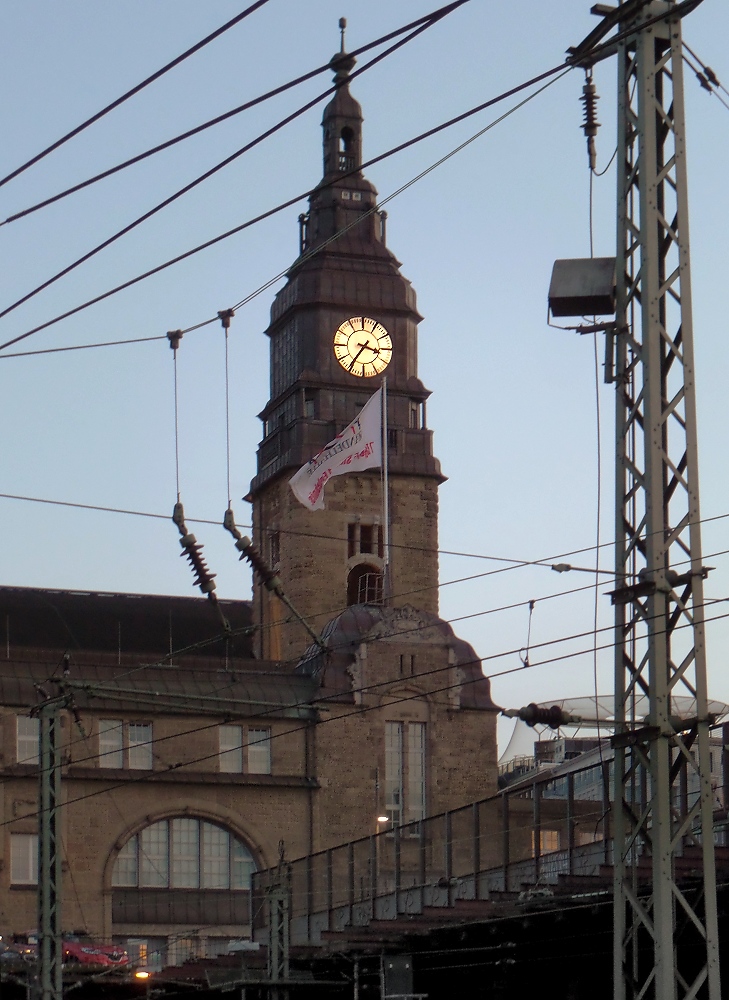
(666, 941)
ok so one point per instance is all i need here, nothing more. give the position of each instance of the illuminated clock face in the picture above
(362, 346)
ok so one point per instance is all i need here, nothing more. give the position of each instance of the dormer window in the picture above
(345, 195)
(356, 196)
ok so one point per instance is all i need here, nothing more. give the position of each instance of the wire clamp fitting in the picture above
(225, 316)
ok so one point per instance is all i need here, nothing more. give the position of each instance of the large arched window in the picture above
(183, 853)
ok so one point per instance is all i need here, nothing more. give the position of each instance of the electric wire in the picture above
(706, 76)
(598, 459)
(95, 689)
(83, 347)
(432, 17)
(227, 418)
(150, 777)
(707, 69)
(278, 208)
(546, 562)
(135, 90)
(569, 63)
(177, 425)
(206, 175)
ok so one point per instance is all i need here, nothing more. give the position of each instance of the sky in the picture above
(515, 403)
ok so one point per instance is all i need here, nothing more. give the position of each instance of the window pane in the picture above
(125, 867)
(231, 749)
(393, 771)
(111, 747)
(154, 856)
(259, 751)
(185, 853)
(215, 857)
(140, 746)
(416, 771)
(24, 858)
(242, 866)
(27, 746)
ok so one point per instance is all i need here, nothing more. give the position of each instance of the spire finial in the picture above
(342, 28)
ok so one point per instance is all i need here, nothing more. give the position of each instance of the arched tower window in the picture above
(346, 149)
(364, 585)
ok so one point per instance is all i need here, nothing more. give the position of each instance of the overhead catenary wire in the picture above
(569, 63)
(281, 207)
(134, 90)
(102, 690)
(706, 77)
(150, 777)
(297, 81)
(206, 175)
(547, 562)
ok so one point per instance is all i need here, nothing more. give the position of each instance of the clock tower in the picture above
(345, 319)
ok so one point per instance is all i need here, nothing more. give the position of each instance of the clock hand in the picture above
(354, 359)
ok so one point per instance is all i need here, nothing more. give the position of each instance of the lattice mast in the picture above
(659, 599)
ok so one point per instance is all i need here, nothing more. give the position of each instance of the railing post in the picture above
(350, 866)
(374, 888)
(725, 767)
(422, 859)
(505, 838)
(397, 868)
(537, 831)
(476, 830)
(448, 854)
(571, 823)
(309, 895)
(330, 889)
(606, 825)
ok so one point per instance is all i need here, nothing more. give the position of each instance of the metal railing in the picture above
(546, 833)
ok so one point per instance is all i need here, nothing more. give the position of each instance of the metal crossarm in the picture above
(666, 941)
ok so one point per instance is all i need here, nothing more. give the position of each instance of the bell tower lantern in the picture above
(345, 280)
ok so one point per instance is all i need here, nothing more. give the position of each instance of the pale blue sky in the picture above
(513, 405)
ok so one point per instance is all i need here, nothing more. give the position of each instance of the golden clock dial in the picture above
(362, 346)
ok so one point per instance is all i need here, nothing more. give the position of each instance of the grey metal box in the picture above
(583, 287)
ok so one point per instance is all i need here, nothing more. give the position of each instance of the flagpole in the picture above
(385, 497)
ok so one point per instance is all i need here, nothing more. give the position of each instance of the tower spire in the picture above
(342, 29)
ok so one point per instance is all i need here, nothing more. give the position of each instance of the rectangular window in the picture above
(549, 840)
(215, 857)
(125, 869)
(366, 532)
(242, 866)
(27, 739)
(140, 746)
(24, 858)
(393, 772)
(259, 751)
(416, 771)
(154, 856)
(111, 743)
(230, 759)
(185, 854)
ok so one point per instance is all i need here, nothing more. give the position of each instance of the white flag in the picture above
(357, 447)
